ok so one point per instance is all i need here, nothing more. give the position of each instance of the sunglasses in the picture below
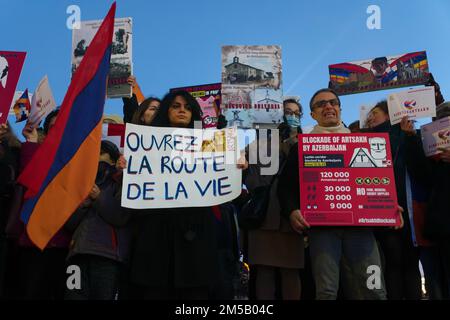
(323, 103)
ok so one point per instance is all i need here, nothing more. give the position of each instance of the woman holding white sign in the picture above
(175, 254)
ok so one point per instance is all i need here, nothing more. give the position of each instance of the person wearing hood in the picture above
(101, 238)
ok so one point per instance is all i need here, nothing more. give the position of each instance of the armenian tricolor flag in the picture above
(62, 171)
(22, 107)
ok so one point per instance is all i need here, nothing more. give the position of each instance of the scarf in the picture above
(339, 129)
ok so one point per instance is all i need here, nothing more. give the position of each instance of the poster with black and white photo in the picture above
(121, 55)
(251, 85)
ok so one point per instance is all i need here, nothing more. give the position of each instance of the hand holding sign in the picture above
(242, 163)
(407, 126)
(121, 163)
(30, 133)
(297, 221)
(445, 154)
(131, 80)
(3, 130)
(400, 214)
(95, 192)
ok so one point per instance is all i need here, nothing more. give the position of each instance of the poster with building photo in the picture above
(121, 55)
(252, 85)
(379, 73)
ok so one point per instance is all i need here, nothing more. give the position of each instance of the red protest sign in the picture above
(347, 180)
(10, 67)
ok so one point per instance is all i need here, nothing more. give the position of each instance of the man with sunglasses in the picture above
(336, 252)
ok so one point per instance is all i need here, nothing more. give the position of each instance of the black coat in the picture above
(435, 177)
(288, 185)
(175, 248)
(9, 160)
(397, 139)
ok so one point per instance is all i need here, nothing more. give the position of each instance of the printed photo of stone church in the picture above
(239, 73)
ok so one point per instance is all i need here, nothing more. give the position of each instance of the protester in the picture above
(175, 250)
(274, 246)
(101, 239)
(401, 256)
(330, 246)
(9, 160)
(146, 111)
(434, 175)
(41, 274)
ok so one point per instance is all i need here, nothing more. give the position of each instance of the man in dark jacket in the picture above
(330, 247)
(101, 239)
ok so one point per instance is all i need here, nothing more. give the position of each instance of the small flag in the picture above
(22, 107)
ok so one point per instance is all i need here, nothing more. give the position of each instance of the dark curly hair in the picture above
(162, 116)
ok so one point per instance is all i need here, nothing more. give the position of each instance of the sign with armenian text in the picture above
(208, 97)
(415, 104)
(435, 135)
(252, 85)
(179, 167)
(347, 180)
(379, 73)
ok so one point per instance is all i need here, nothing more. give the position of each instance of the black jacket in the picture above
(130, 105)
(435, 176)
(288, 185)
(174, 248)
(397, 140)
(102, 228)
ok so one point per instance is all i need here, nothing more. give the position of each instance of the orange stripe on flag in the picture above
(139, 95)
(65, 192)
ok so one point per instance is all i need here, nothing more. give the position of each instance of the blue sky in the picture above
(178, 43)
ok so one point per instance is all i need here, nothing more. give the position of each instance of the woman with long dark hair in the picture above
(146, 111)
(175, 250)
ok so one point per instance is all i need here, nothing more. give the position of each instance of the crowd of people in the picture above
(202, 252)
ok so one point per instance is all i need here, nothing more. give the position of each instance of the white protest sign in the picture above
(42, 102)
(416, 104)
(435, 135)
(363, 114)
(176, 167)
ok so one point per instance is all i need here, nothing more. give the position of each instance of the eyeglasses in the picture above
(291, 113)
(323, 103)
